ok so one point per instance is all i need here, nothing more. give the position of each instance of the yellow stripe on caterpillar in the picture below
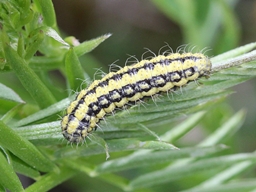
(129, 85)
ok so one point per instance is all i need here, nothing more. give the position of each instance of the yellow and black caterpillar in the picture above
(128, 85)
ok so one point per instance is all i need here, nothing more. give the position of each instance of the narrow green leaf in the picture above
(47, 10)
(14, 18)
(88, 46)
(225, 175)
(117, 180)
(53, 34)
(36, 21)
(236, 186)
(20, 46)
(26, 14)
(42, 134)
(215, 138)
(51, 110)
(24, 169)
(10, 114)
(148, 131)
(29, 79)
(235, 61)
(50, 133)
(215, 88)
(26, 18)
(129, 132)
(8, 178)
(81, 166)
(34, 46)
(52, 179)
(8, 94)
(23, 149)
(150, 158)
(74, 70)
(183, 127)
(24, 5)
(173, 173)
(49, 63)
(113, 146)
(226, 130)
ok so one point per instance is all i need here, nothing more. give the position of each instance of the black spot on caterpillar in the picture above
(128, 85)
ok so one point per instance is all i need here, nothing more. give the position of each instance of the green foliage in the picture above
(140, 159)
(204, 22)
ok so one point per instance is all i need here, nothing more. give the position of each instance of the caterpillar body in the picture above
(128, 85)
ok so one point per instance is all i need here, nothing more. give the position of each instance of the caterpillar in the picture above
(128, 85)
